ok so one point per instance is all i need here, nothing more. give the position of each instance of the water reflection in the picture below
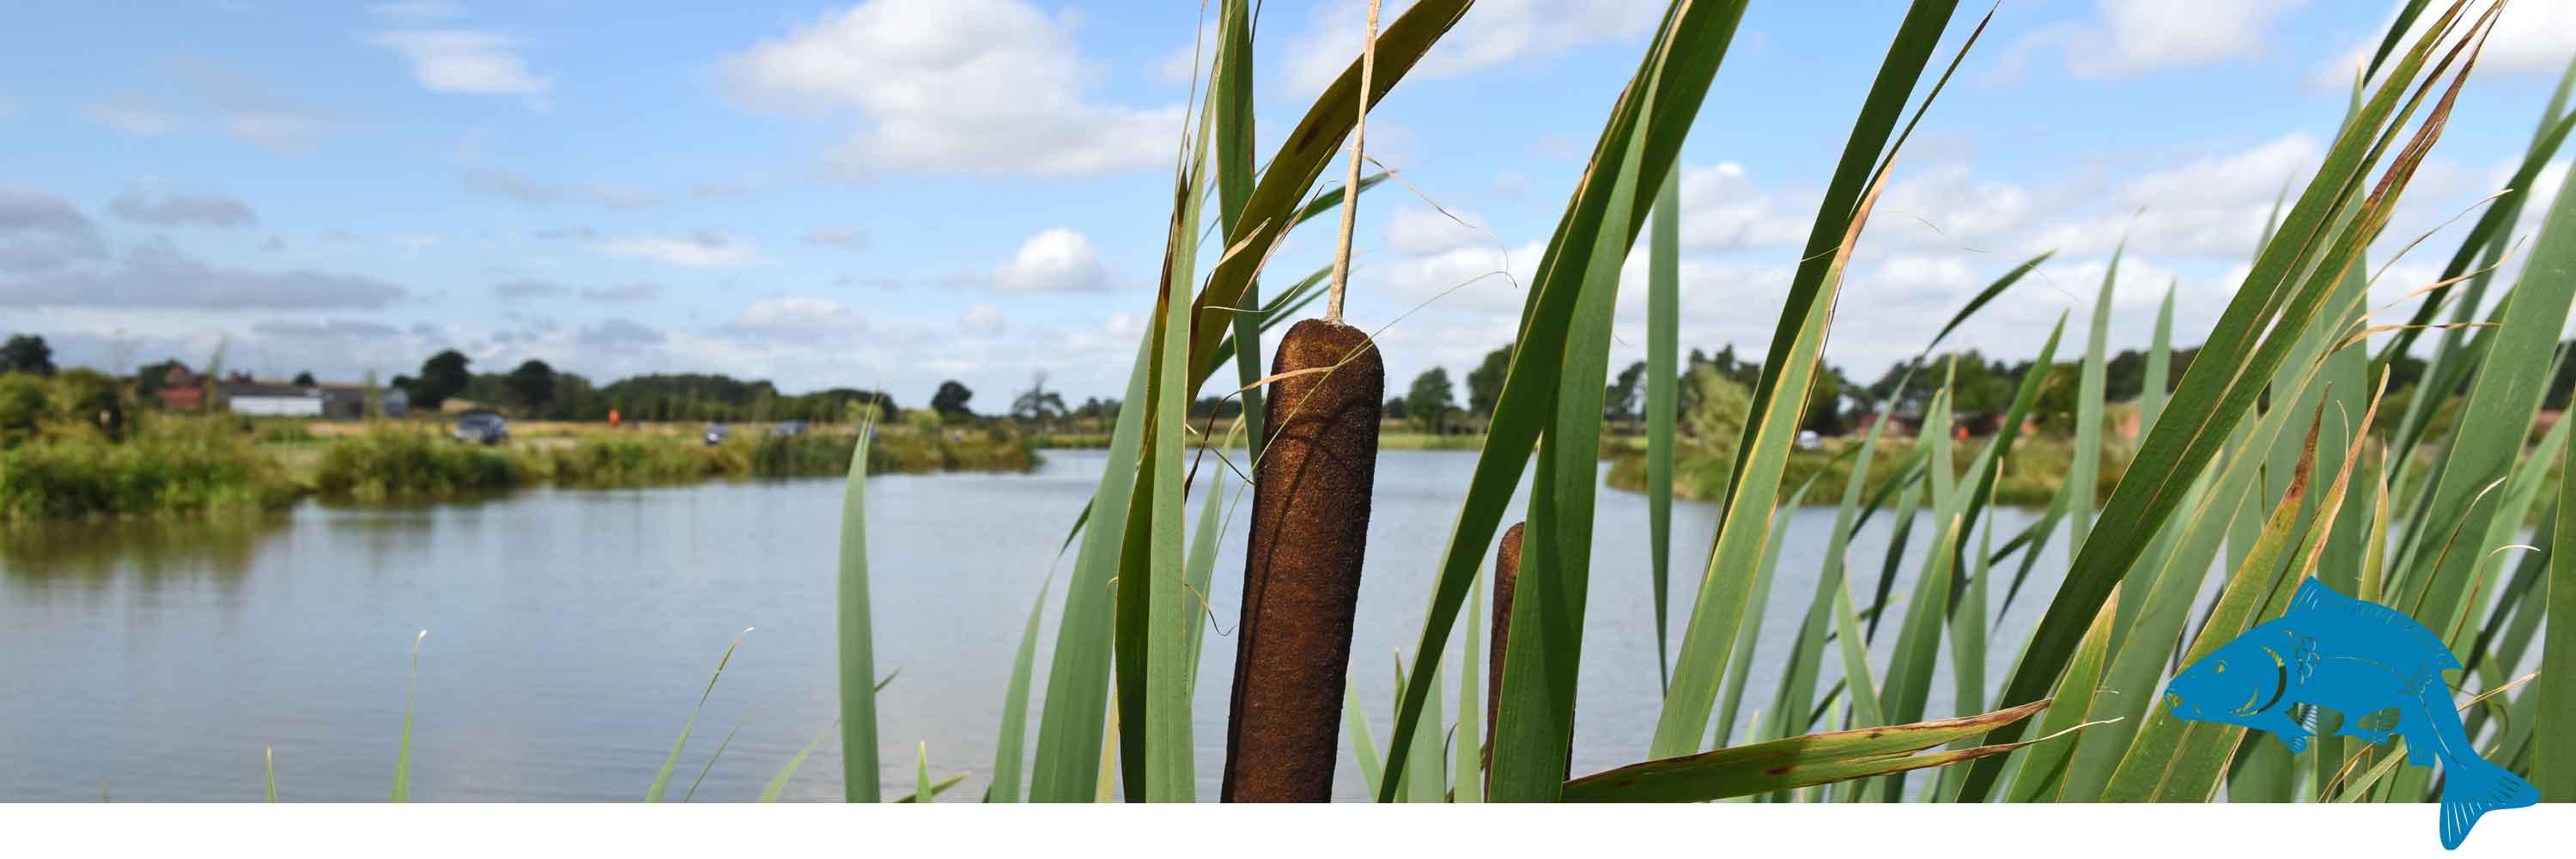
(92, 555)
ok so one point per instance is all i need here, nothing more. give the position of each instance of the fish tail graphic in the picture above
(2471, 786)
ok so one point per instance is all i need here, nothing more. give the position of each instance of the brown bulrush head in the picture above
(1301, 570)
(1507, 572)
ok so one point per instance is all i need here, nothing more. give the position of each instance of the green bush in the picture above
(93, 479)
(394, 462)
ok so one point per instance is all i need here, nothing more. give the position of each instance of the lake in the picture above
(571, 631)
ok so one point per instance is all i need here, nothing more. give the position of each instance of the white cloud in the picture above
(158, 275)
(982, 318)
(516, 186)
(972, 86)
(1722, 210)
(464, 61)
(131, 113)
(701, 249)
(2529, 39)
(1494, 33)
(1057, 260)
(213, 210)
(41, 232)
(795, 317)
(1421, 231)
(2134, 37)
(837, 236)
(1511, 183)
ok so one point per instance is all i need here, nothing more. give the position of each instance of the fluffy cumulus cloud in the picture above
(1420, 231)
(701, 249)
(1495, 33)
(1058, 260)
(794, 318)
(992, 87)
(2126, 38)
(2533, 39)
(1723, 210)
(464, 61)
(212, 210)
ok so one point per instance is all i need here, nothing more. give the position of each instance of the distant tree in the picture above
(1395, 408)
(1720, 406)
(1825, 402)
(149, 378)
(532, 385)
(1220, 408)
(951, 399)
(444, 375)
(26, 353)
(1035, 404)
(1431, 399)
(304, 379)
(1485, 383)
(1619, 400)
(90, 397)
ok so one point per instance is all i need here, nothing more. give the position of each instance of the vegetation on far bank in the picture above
(74, 446)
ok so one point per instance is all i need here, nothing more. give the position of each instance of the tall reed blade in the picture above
(402, 757)
(1663, 353)
(1014, 734)
(1682, 63)
(1788, 376)
(662, 780)
(2216, 394)
(857, 640)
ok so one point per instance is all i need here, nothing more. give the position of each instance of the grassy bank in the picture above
(145, 477)
(394, 463)
(174, 465)
(2031, 474)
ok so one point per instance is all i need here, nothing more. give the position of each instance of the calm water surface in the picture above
(570, 632)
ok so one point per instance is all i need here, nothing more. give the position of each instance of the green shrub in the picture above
(92, 479)
(393, 462)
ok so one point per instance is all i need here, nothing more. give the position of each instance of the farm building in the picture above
(274, 400)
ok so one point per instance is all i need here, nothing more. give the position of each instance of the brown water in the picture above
(570, 632)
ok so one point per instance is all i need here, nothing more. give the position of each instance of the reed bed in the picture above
(2274, 392)
(2257, 460)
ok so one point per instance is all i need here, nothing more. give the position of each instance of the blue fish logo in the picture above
(2373, 664)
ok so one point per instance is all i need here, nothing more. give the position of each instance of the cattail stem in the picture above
(1351, 178)
(1301, 577)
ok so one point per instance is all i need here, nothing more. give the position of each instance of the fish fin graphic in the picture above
(2308, 656)
(2381, 720)
(2314, 601)
(2297, 742)
(2474, 787)
(2309, 721)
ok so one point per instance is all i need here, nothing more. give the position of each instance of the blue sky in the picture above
(897, 192)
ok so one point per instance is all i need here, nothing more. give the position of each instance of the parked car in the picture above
(788, 428)
(717, 433)
(1809, 440)
(482, 428)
